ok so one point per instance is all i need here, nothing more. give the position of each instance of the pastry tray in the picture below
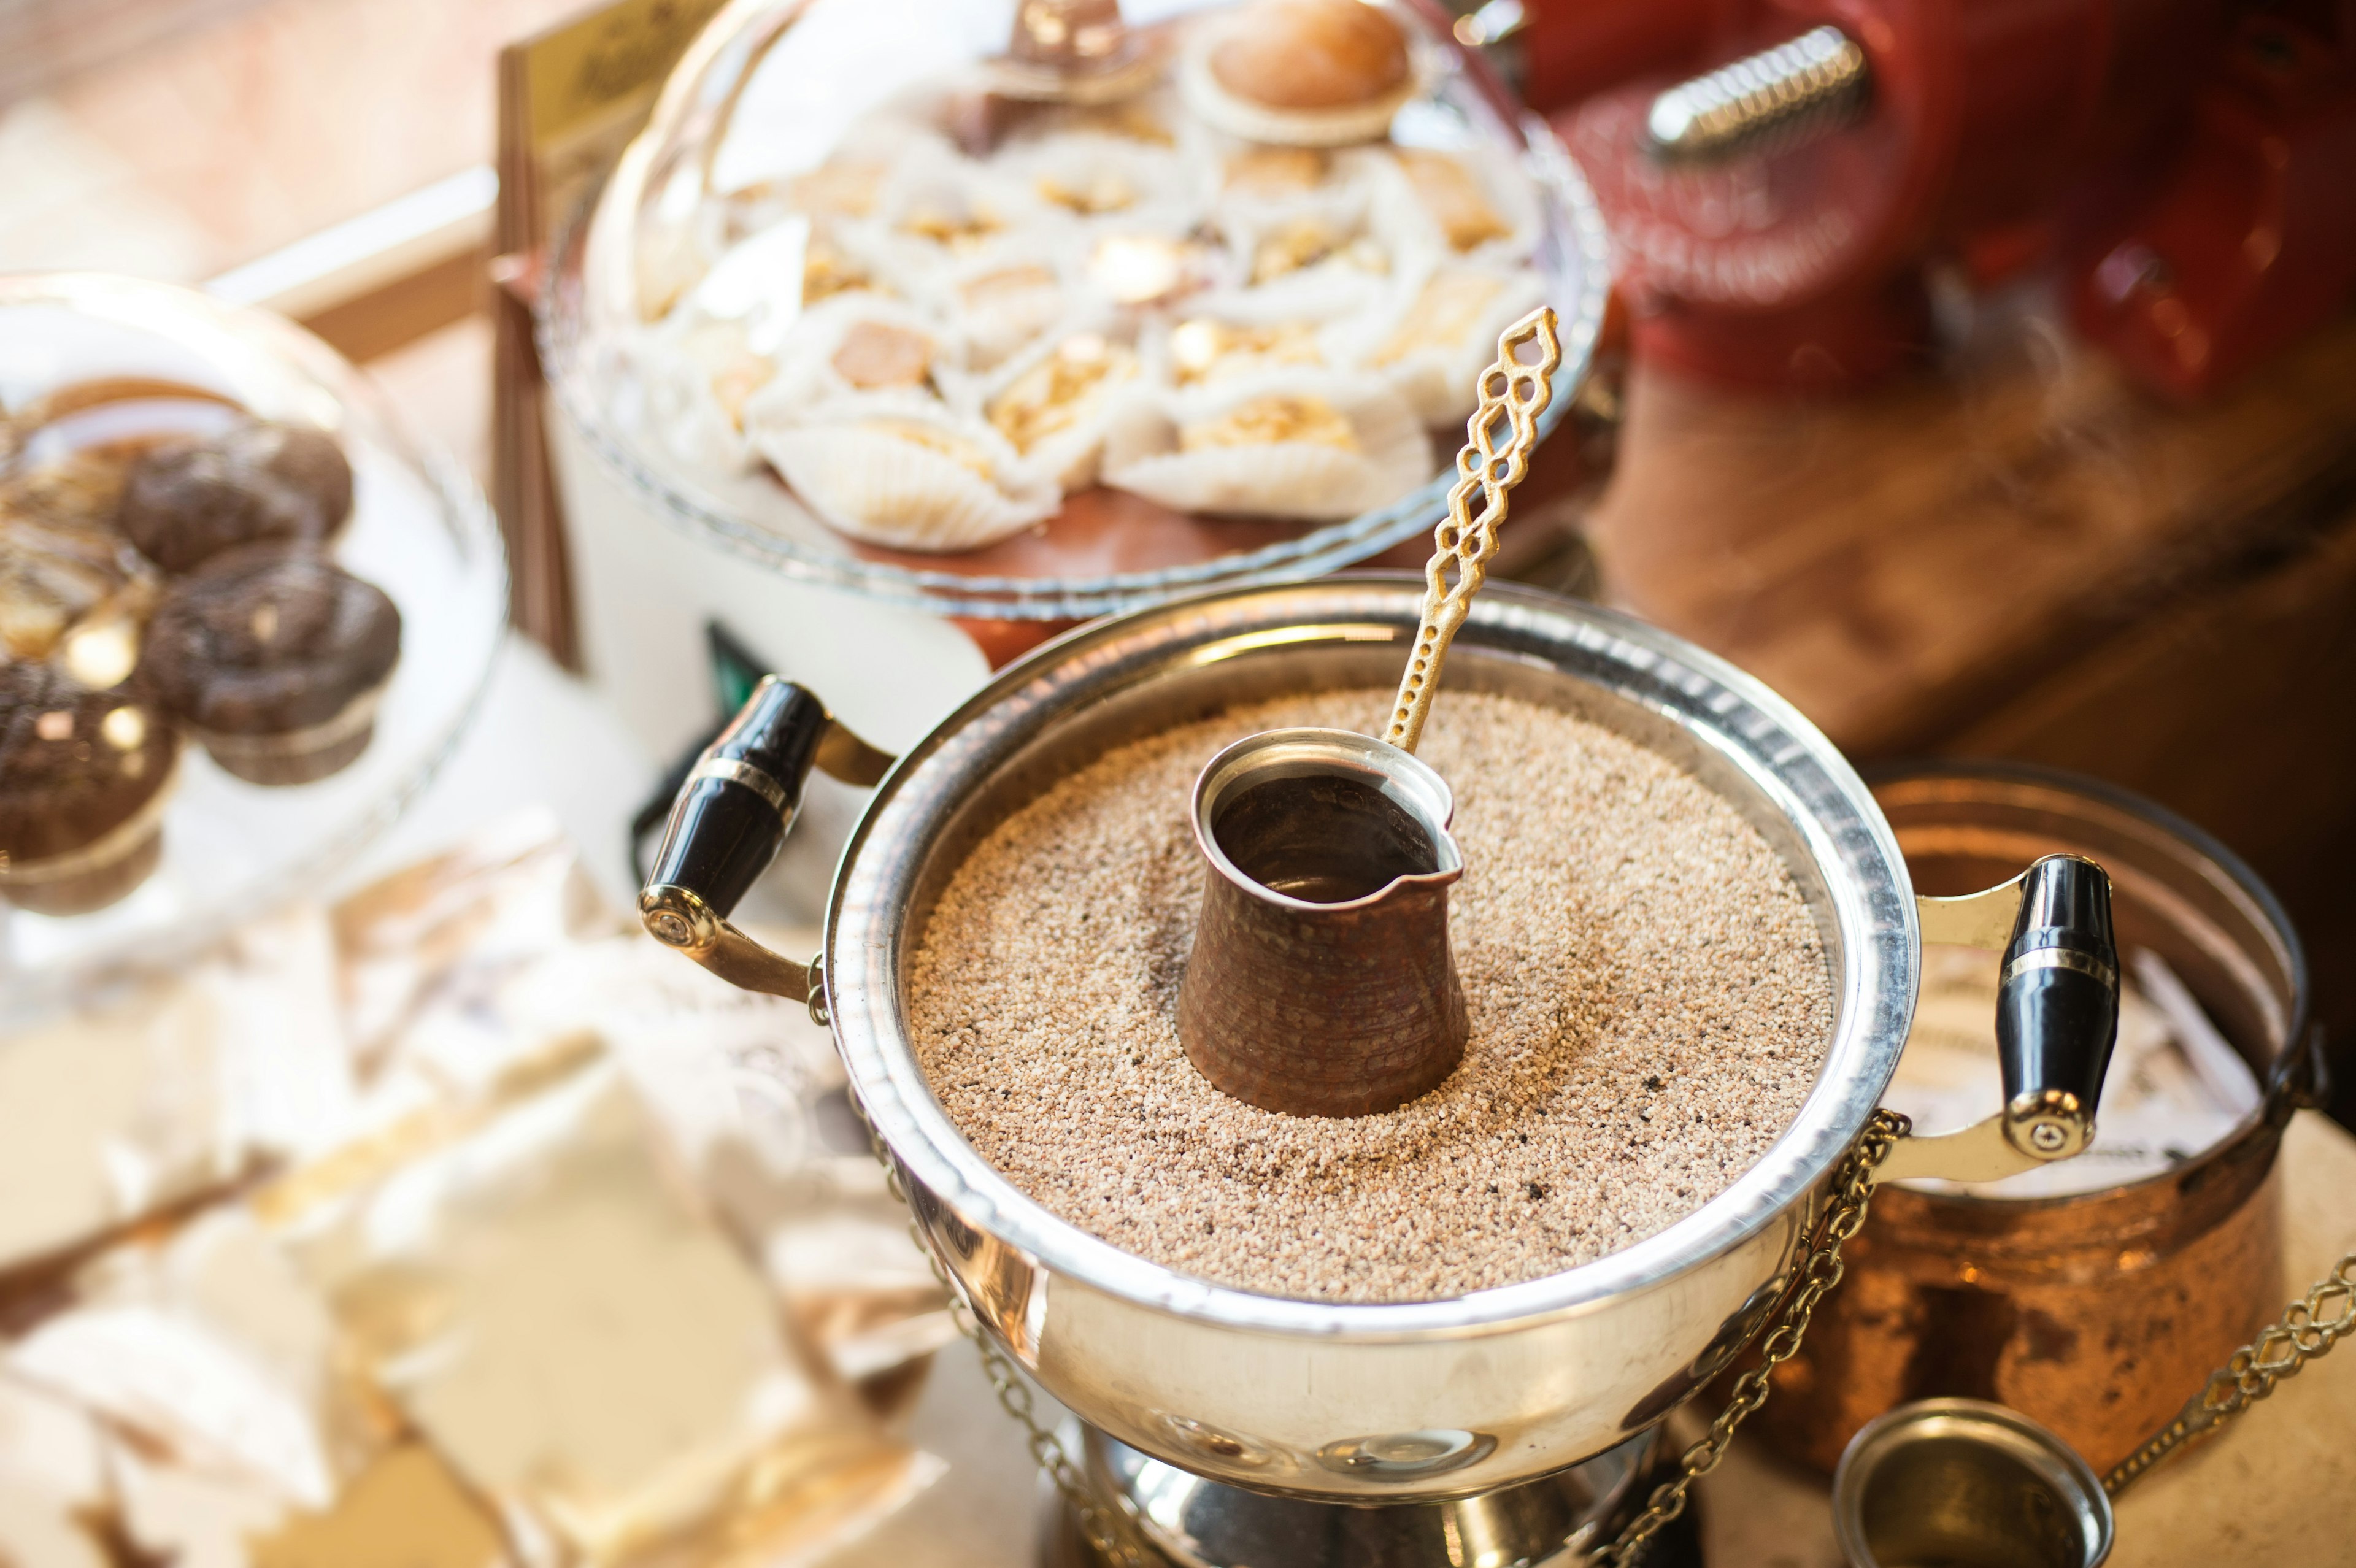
(585, 312)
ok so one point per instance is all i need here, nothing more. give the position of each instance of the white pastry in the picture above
(1305, 445)
(908, 477)
(1473, 211)
(698, 376)
(1055, 404)
(1098, 179)
(1212, 349)
(939, 213)
(1430, 350)
(1001, 305)
(1307, 248)
(861, 346)
(1146, 269)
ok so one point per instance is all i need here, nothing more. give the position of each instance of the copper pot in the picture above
(2095, 1315)
(1320, 982)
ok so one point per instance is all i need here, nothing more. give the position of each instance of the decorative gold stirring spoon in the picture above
(1512, 394)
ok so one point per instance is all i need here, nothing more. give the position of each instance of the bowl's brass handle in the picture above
(2057, 1016)
(729, 821)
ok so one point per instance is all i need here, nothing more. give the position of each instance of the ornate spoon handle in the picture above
(1513, 395)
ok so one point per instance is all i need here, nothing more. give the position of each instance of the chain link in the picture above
(1099, 1525)
(2306, 1331)
(1852, 1191)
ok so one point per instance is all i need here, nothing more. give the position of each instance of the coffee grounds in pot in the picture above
(1649, 999)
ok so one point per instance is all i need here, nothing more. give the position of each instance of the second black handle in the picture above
(2057, 1012)
(731, 816)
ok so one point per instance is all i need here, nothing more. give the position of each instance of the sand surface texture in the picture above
(1649, 1000)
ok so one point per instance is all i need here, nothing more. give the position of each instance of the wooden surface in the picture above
(178, 138)
(2278, 1487)
(2026, 557)
(1899, 563)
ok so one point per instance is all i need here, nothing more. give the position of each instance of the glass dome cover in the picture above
(87, 360)
(713, 203)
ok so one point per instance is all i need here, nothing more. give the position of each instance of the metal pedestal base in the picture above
(1180, 1520)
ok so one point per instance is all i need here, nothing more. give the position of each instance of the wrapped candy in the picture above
(542, 1299)
(146, 1098)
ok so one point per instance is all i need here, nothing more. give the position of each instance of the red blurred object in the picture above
(2253, 239)
(2198, 172)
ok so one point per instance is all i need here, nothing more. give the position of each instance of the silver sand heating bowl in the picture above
(1356, 1402)
(1387, 1402)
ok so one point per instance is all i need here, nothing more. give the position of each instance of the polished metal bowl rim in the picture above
(1792, 764)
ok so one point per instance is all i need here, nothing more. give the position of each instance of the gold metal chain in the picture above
(1852, 1191)
(1102, 1529)
(2306, 1331)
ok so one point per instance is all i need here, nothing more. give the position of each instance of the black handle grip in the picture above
(731, 816)
(2057, 1011)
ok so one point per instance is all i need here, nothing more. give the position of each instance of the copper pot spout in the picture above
(1322, 983)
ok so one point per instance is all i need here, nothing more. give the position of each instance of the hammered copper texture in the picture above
(1323, 1012)
(2096, 1316)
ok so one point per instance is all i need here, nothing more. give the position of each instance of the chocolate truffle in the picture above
(83, 777)
(187, 501)
(70, 588)
(274, 658)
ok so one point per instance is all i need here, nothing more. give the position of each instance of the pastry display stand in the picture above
(896, 639)
(420, 530)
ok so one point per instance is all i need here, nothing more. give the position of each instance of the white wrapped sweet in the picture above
(704, 362)
(1225, 341)
(1305, 444)
(1442, 330)
(1096, 178)
(940, 211)
(698, 375)
(1301, 231)
(1146, 270)
(1001, 304)
(858, 345)
(1055, 404)
(1259, 186)
(1469, 210)
(908, 472)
